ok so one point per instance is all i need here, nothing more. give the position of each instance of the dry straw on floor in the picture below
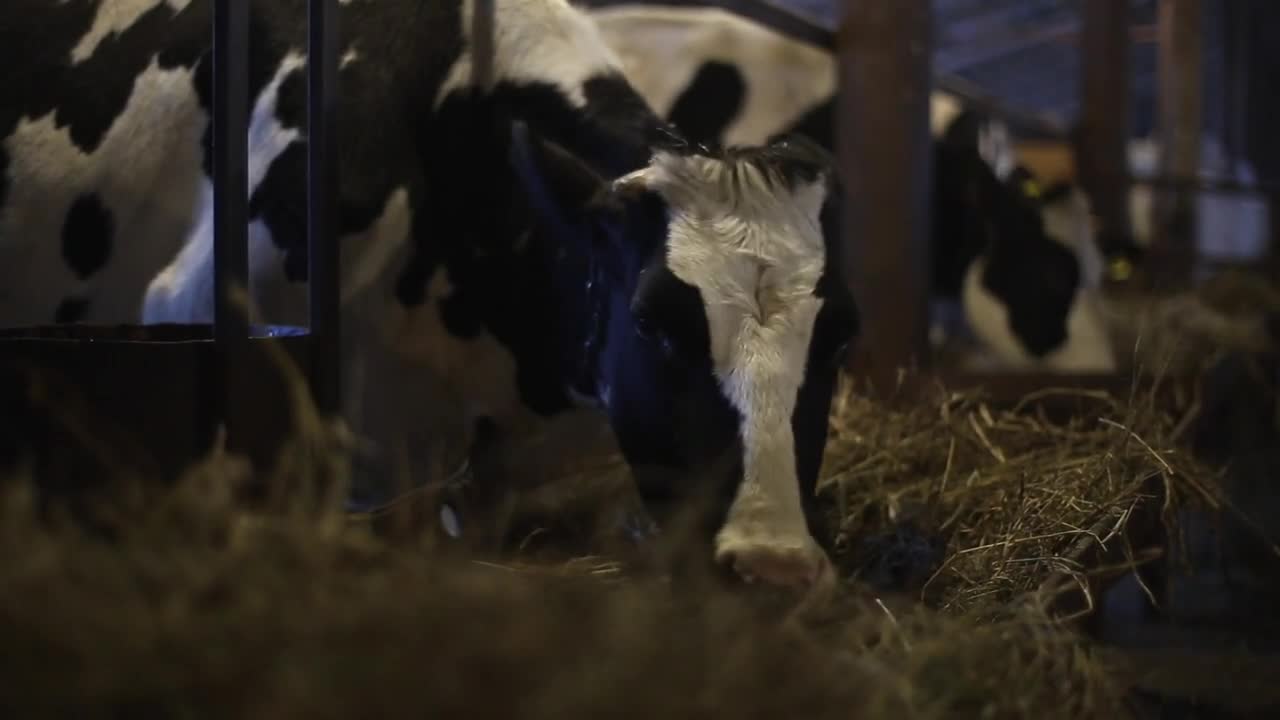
(1017, 497)
(201, 608)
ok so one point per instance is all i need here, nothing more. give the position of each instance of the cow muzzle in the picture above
(765, 537)
(762, 547)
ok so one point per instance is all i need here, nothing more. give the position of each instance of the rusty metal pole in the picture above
(884, 151)
(1105, 117)
(1180, 76)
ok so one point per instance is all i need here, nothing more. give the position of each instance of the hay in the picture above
(200, 607)
(200, 610)
(1016, 497)
(1186, 332)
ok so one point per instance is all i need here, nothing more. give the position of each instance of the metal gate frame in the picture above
(230, 121)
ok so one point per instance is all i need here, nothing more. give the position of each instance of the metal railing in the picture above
(231, 193)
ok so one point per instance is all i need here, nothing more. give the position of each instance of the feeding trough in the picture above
(89, 402)
(162, 391)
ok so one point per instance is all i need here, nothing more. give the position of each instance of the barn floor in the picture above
(971, 538)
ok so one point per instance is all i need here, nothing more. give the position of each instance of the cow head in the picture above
(722, 323)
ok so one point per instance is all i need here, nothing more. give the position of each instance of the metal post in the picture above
(230, 195)
(322, 202)
(1179, 69)
(1235, 75)
(230, 165)
(1105, 116)
(885, 157)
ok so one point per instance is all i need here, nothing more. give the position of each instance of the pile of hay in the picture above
(1016, 499)
(199, 607)
(201, 611)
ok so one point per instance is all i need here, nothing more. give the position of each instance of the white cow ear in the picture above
(633, 183)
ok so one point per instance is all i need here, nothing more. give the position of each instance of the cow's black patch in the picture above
(817, 123)
(711, 101)
(92, 94)
(71, 310)
(1038, 288)
(502, 271)
(617, 135)
(795, 158)
(34, 90)
(280, 201)
(291, 101)
(669, 311)
(87, 235)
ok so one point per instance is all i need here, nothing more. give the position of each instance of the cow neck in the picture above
(596, 291)
(595, 299)
(616, 132)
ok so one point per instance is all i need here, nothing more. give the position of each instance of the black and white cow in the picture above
(521, 245)
(1020, 259)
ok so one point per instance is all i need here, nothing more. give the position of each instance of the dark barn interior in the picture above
(193, 529)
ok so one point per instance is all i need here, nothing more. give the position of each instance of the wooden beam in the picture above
(1179, 69)
(1105, 116)
(884, 52)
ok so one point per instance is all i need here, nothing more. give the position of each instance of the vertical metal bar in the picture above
(1235, 41)
(886, 163)
(322, 202)
(230, 167)
(230, 208)
(1106, 117)
(1179, 62)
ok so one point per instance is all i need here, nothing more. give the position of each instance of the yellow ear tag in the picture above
(1031, 188)
(1121, 269)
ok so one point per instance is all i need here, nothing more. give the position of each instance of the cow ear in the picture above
(563, 187)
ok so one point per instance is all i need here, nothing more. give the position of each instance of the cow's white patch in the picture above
(755, 252)
(115, 16)
(662, 47)
(995, 147)
(943, 110)
(537, 41)
(183, 290)
(146, 172)
(449, 521)
(1069, 222)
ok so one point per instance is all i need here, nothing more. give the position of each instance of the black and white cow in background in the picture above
(690, 292)
(1020, 259)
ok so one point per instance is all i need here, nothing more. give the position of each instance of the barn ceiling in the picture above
(1026, 53)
